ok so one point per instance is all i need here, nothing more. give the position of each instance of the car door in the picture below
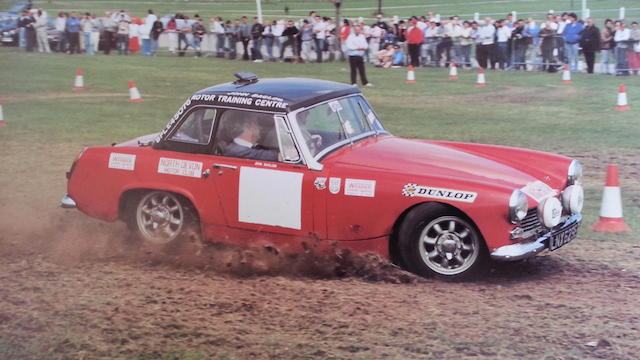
(256, 192)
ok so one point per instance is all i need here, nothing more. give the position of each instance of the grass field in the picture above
(351, 8)
(76, 300)
(48, 124)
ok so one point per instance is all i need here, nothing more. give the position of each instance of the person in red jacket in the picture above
(415, 37)
(345, 31)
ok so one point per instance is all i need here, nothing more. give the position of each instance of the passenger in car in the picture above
(245, 145)
(314, 141)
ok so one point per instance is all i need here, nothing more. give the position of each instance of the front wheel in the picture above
(436, 241)
(160, 217)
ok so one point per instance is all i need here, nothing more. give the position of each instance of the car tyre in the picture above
(437, 241)
(161, 217)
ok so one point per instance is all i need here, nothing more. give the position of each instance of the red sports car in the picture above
(302, 164)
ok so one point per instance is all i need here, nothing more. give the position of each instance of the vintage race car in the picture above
(306, 165)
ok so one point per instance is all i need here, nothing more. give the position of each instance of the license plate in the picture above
(562, 238)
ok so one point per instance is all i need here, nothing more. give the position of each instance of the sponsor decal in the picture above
(122, 161)
(320, 183)
(180, 167)
(334, 185)
(335, 106)
(356, 187)
(411, 190)
(538, 190)
(243, 98)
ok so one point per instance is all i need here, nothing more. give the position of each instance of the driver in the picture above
(245, 145)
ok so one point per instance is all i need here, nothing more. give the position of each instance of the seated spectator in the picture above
(385, 57)
(398, 57)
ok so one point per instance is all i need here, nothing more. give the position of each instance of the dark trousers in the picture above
(319, 47)
(107, 41)
(294, 47)
(590, 58)
(245, 46)
(445, 47)
(74, 42)
(357, 64)
(30, 35)
(256, 50)
(484, 55)
(414, 54)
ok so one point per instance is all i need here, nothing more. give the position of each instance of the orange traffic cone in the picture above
(79, 84)
(566, 75)
(134, 94)
(481, 81)
(1, 117)
(622, 99)
(611, 210)
(411, 76)
(453, 71)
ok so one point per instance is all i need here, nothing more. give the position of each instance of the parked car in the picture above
(9, 23)
(302, 164)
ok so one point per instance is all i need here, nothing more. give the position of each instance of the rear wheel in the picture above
(434, 240)
(160, 217)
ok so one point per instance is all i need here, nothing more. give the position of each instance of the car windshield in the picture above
(332, 122)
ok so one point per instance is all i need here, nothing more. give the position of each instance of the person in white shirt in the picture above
(41, 31)
(485, 49)
(503, 34)
(356, 45)
(61, 25)
(621, 39)
(319, 31)
(374, 41)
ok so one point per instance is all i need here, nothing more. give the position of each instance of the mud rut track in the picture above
(68, 300)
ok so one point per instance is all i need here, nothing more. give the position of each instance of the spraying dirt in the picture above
(76, 288)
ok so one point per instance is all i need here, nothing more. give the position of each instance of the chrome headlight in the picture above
(573, 199)
(574, 175)
(550, 212)
(518, 206)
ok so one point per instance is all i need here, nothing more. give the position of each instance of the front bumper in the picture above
(68, 203)
(527, 249)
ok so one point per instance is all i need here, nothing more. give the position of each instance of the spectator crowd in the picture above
(500, 44)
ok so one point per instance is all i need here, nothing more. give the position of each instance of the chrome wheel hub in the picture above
(160, 217)
(448, 245)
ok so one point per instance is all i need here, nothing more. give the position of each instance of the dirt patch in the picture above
(73, 287)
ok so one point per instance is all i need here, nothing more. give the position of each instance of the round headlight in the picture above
(518, 206)
(574, 175)
(573, 199)
(550, 212)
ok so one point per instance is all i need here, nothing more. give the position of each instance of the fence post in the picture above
(622, 10)
(476, 17)
(515, 16)
(586, 14)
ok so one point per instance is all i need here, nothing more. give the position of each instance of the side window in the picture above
(285, 140)
(196, 128)
(354, 118)
(373, 120)
(247, 134)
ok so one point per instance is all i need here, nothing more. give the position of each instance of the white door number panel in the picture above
(270, 197)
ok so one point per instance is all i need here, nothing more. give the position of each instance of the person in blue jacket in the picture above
(571, 35)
